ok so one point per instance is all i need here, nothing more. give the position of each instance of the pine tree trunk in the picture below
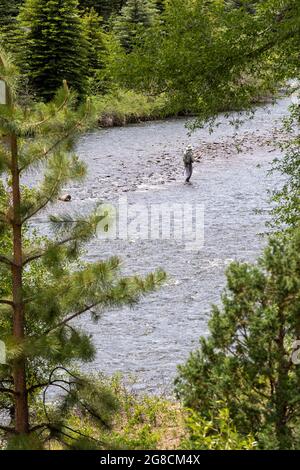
(282, 431)
(19, 365)
(281, 404)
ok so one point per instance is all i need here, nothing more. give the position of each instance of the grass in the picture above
(142, 422)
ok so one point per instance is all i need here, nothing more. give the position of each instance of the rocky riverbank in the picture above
(166, 167)
(231, 181)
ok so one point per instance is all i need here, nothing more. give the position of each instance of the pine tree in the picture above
(45, 284)
(134, 17)
(249, 363)
(286, 211)
(9, 10)
(160, 5)
(96, 50)
(54, 46)
(104, 8)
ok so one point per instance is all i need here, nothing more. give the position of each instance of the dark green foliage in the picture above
(134, 17)
(104, 8)
(286, 212)
(246, 362)
(249, 5)
(209, 57)
(160, 4)
(55, 47)
(96, 40)
(9, 10)
(25, 442)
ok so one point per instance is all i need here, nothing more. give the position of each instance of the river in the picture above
(144, 163)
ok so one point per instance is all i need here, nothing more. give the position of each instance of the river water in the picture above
(144, 163)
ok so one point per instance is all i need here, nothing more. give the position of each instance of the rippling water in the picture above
(144, 162)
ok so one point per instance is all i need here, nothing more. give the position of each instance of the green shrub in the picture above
(122, 107)
(216, 433)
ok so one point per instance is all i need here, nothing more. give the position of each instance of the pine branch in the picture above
(94, 414)
(6, 302)
(44, 121)
(43, 253)
(48, 384)
(43, 205)
(75, 431)
(71, 317)
(52, 427)
(50, 381)
(7, 429)
(59, 431)
(39, 426)
(52, 148)
(64, 137)
(7, 261)
(66, 370)
(7, 390)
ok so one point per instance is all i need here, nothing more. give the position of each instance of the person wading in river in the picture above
(188, 160)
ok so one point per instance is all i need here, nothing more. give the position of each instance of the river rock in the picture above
(65, 198)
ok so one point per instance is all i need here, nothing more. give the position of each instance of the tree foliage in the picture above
(247, 359)
(45, 284)
(97, 51)
(286, 213)
(104, 8)
(215, 433)
(209, 56)
(134, 17)
(9, 10)
(54, 46)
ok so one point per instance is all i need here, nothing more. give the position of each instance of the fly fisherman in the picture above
(188, 160)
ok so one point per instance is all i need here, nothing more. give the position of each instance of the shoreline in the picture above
(127, 107)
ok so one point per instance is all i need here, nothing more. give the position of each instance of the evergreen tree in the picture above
(54, 46)
(286, 211)
(134, 17)
(45, 285)
(160, 4)
(9, 10)
(249, 363)
(104, 8)
(96, 50)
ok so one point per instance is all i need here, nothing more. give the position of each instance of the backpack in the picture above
(188, 157)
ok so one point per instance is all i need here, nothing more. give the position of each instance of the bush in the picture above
(216, 433)
(123, 107)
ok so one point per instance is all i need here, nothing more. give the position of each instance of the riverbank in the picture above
(123, 107)
(142, 422)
